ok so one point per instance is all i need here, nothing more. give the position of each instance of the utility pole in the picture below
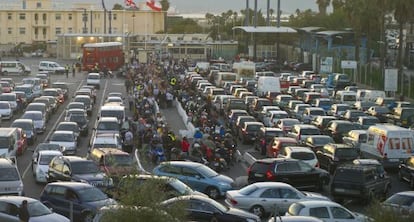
(103, 5)
(268, 13)
(254, 33)
(278, 34)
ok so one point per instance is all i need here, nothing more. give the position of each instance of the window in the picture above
(70, 30)
(57, 190)
(58, 16)
(340, 213)
(9, 16)
(9, 31)
(58, 30)
(171, 169)
(22, 31)
(270, 193)
(44, 16)
(319, 212)
(190, 172)
(70, 16)
(114, 16)
(22, 16)
(394, 143)
(38, 4)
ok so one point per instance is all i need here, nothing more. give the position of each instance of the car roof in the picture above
(181, 163)
(271, 184)
(5, 162)
(318, 203)
(73, 185)
(286, 139)
(63, 132)
(16, 200)
(272, 160)
(50, 152)
(295, 149)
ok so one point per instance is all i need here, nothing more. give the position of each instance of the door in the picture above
(55, 170)
(340, 214)
(287, 196)
(269, 199)
(8, 212)
(194, 179)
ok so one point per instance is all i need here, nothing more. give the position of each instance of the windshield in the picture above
(347, 153)
(4, 106)
(399, 199)
(248, 189)
(33, 116)
(180, 186)
(206, 171)
(84, 167)
(342, 108)
(309, 132)
(76, 106)
(324, 103)
(91, 194)
(7, 98)
(23, 125)
(108, 126)
(118, 160)
(64, 137)
(35, 108)
(370, 122)
(112, 113)
(45, 159)
(9, 174)
(47, 146)
(302, 156)
(93, 77)
(322, 140)
(50, 93)
(77, 118)
(36, 209)
(86, 101)
(68, 127)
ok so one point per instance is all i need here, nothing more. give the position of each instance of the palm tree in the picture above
(165, 5)
(322, 5)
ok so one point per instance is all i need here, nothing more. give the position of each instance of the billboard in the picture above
(391, 80)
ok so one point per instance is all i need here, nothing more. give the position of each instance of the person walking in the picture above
(128, 141)
(67, 71)
(24, 212)
(185, 146)
(73, 69)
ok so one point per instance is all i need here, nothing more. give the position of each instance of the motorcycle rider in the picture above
(222, 151)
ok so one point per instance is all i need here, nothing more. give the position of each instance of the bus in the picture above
(103, 54)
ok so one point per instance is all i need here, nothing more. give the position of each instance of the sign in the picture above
(348, 64)
(326, 65)
(391, 80)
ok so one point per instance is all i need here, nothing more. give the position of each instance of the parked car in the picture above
(294, 172)
(316, 142)
(40, 165)
(299, 153)
(402, 203)
(327, 210)
(86, 199)
(37, 210)
(332, 155)
(261, 198)
(294, 219)
(360, 182)
(197, 176)
(406, 171)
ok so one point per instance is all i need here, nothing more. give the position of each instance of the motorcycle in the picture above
(219, 162)
(157, 155)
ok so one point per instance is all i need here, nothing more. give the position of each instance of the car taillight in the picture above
(263, 142)
(317, 165)
(269, 175)
(233, 201)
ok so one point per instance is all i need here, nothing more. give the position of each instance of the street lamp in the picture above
(133, 23)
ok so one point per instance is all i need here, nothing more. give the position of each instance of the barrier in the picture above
(190, 129)
(249, 158)
(140, 167)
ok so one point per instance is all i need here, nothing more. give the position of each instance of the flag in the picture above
(156, 6)
(130, 3)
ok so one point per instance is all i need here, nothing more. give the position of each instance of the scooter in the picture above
(157, 155)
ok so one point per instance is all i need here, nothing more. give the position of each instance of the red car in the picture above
(278, 143)
(6, 87)
(21, 142)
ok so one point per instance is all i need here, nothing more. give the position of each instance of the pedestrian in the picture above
(185, 146)
(128, 141)
(67, 71)
(73, 70)
(24, 212)
(131, 101)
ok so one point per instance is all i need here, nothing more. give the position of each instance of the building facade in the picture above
(41, 21)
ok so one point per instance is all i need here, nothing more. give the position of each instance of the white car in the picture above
(40, 165)
(6, 112)
(327, 210)
(66, 139)
(94, 79)
(39, 121)
(300, 153)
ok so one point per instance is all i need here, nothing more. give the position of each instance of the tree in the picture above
(117, 7)
(165, 5)
(184, 26)
(322, 5)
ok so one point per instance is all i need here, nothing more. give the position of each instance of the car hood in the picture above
(223, 178)
(89, 177)
(5, 111)
(38, 123)
(67, 145)
(53, 217)
(3, 152)
(241, 213)
(315, 196)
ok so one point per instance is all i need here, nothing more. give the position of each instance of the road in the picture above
(237, 172)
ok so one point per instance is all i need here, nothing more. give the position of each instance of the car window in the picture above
(9, 174)
(171, 169)
(57, 191)
(270, 193)
(190, 172)
(319, 212)
(340, 213)
(201, 206)
(288, 193)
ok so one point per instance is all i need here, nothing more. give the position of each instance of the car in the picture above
(36, 209)
(75, 105)
(45, 109)
(294, 172)
(55, 93)
(327, 210)
(248, 131)
(356, 138)
(353, 115)
(294, 219)
(363, 105)
(322, 121)
(300, 153)
(265, 136)
(338, 109)
(106, 140)
(301, 131)
(69, 126)
(86, 199)
(401, 203)
(28, 127)
(365, 122)
(74, 168)
(338, 128)
(264, 110)
(82, 122)
(40, 165)
(45, 146)
(6, 87)
(10, 180)
(66, 139)
(115, 99)
(273, 116)
(52, 67)
(44, 79)
(286, 124)
(85, 100)
(63, 86)
(6, 112)
(206, 209)
(277, 143)
(197, 176)
(107, 125)
(38, 118)
(75, 112)
(310, 113)
(359, 182)
(316, 142)
(113, 161)
(94, 79)
(334, 154)
(261, 198)
(234, 114)
(51, 103)
(406, 171)
(11, 98)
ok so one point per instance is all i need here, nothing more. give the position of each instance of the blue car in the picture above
(197, 176)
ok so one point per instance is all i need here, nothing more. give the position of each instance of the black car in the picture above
(294, 172)
(86, 199)
(364, 182)
(201, 208)
(332, 155)
(74, 168)
(406, 171)
(265, 136)
(82, 122)
(338, 128)
(248, 131)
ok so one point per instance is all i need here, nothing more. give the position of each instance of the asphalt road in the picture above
(237, 172)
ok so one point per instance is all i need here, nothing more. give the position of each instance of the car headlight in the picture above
(20, 187)
(222, 184)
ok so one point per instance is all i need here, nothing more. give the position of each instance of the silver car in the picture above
(38, 118)
(66, 139)
(261, 198)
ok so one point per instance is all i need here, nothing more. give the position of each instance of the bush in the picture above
(381, 214)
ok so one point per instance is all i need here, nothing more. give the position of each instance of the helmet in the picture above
(227, 135)
(196, 145)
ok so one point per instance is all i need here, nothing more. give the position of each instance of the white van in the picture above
(8, 142)
(267, 84)
(14, 67)
(389, 144)
(369, 95)
(110, 110)
(222, 77)
(347, 97)
(51, 67)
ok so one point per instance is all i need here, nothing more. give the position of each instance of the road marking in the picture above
(26, 170)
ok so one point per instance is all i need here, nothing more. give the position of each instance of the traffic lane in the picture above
(32, 189)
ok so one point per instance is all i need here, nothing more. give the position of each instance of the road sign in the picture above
(348, 64)
(391, 80)
(326, 65)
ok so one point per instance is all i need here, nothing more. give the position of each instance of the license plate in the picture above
(258, 175)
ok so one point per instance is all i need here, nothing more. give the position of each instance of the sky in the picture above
(215, 6)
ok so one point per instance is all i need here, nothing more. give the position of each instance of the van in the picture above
(113, 111)
(14, 67)
(347, 97)
(222, 77)
(51, 67)
(388, 144)
(369, 95)
(267, 84)
(8, 142)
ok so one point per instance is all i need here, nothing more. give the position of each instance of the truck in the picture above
(244, 70)
(267, 84)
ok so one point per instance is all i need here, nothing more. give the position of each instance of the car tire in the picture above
(87, 217)
(257, 210)
(214, 219)
(213, 192)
